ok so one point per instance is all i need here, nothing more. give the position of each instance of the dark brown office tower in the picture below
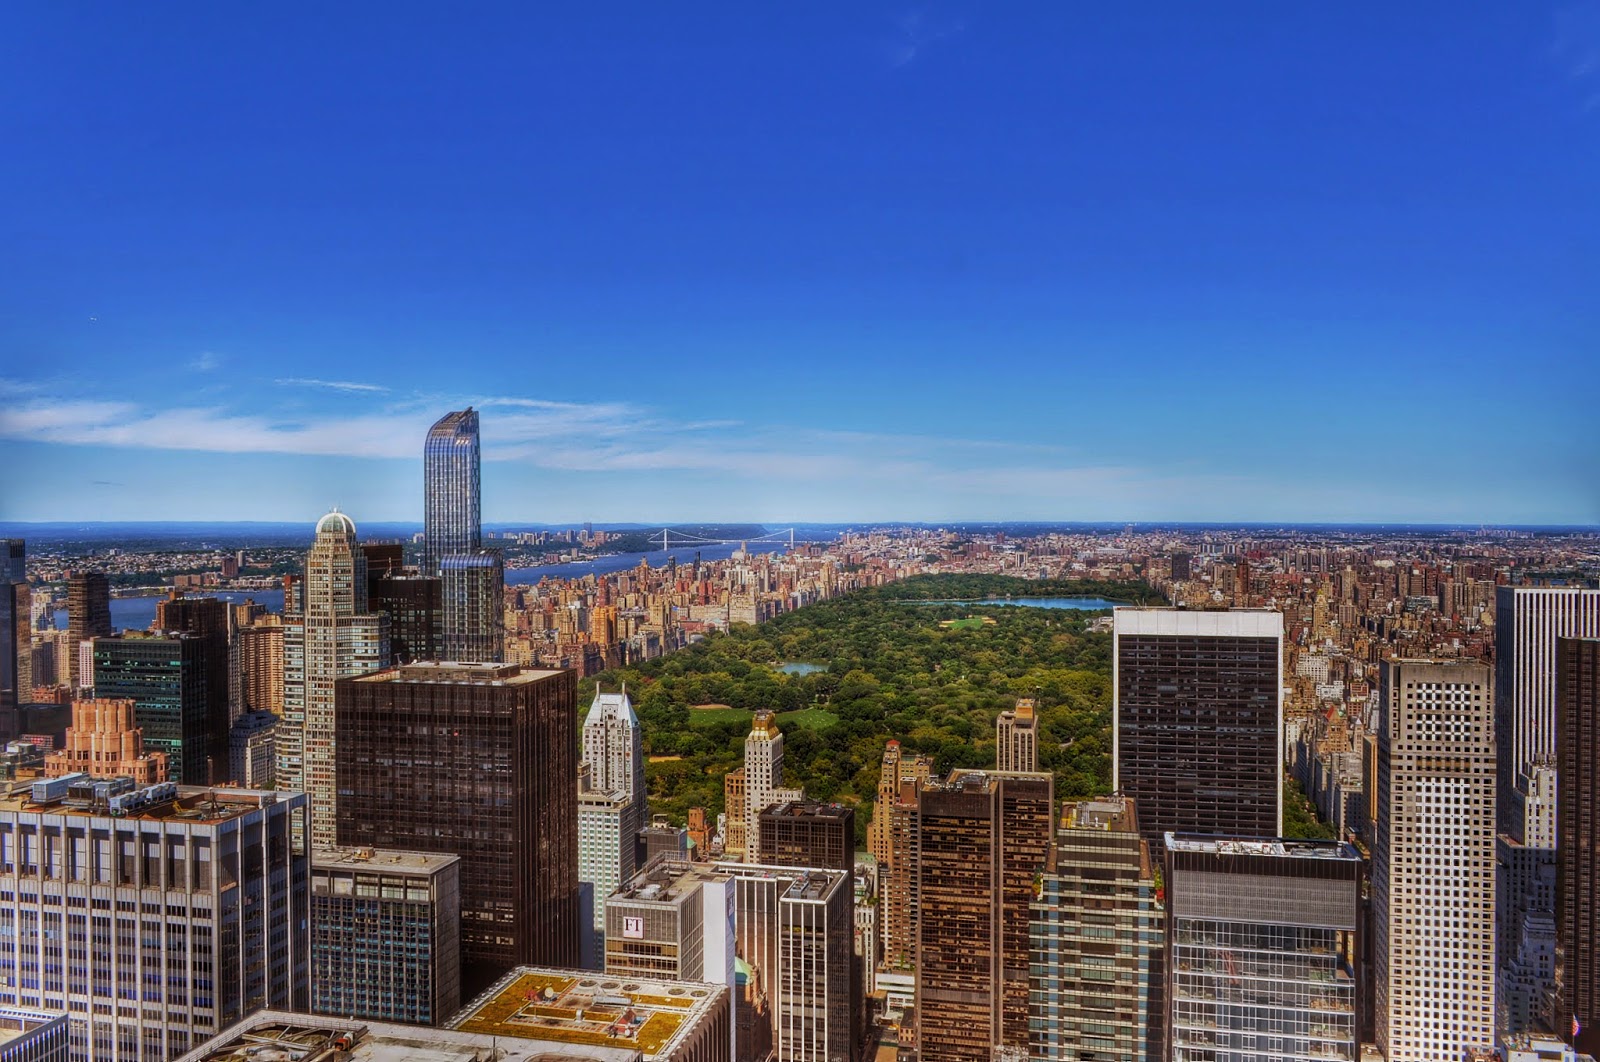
(806, 833)
(983, 837)
(413, 605)
(209, 618)
(88, 606)
(1578, 841)
(88, 617)
(384, 558)
(1181, 571)
(480, 761)
(1197, 720)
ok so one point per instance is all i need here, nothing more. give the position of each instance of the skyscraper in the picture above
(613, 747)
(1527, 622)
(472, 592)
(451, 508)
(1433, 862)
(167, 676)
(1262, 956)
(208, 618)
(1095, 938)
(385, 935)
(478, 760)
(763, 779)
(332, 637)
(1198, 720)
(809, 833)
(88, 617)
(411, 601)
(104, 741)
(1578, 848)
(611, 806)
(984, 839)
(472, 579)
(14, 623)
(198, 914)
(1017, 737)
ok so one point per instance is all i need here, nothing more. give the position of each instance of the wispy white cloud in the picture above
(331, 385)
(206, 361)
(616, 438)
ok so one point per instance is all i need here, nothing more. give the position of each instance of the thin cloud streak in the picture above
(332, 385)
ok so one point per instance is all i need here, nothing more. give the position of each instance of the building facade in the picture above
(451, 490)
(809, 833)
(1577, 914)
(258, 668)
(252, 750)
(472, 579)
(169, 678)
(763, 779)
(1198, 720)
(331, 637)
(1433, 934)
(104, 741)
(1527, 622)
(1262, 954)
(472, 586)
(28, 1035)
(385, 935)
(479, 761)
(983, 838)
(607, 858)
(15, 621)
(1090, 998)
(88, 617)
(154, 917)
(1017, 737)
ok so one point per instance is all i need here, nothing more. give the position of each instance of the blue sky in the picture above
(817, 262)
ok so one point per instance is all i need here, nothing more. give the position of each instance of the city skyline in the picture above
(859, 265)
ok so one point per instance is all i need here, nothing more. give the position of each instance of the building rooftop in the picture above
(460, 672)
(1279, 848)
(1114, 814)
(383, 859)
(16, 1022)
(278, 1036)
(807, 809)
(590, 1009)
(186, 803)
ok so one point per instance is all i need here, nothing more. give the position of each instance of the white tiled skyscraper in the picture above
(613, 746)
(333, 637)
(1433, 863)
(763, 778)
(612, 807)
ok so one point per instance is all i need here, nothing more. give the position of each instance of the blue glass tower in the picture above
(472, 578)
(451, 517)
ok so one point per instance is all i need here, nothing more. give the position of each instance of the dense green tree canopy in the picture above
(889, 669)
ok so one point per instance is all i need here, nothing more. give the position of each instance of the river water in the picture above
(137, 613)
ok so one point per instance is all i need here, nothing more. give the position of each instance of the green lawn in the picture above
(970, 623)
(712, 716)
(808, 719)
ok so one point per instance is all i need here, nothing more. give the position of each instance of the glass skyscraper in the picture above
(451, 514)
(472, 578)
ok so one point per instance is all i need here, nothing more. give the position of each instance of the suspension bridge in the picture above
(670, 538)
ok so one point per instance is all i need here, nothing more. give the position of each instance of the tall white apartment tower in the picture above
(1527, 621)
(613, 747)
(1433, 862)
(332, 637)
(763, 778)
